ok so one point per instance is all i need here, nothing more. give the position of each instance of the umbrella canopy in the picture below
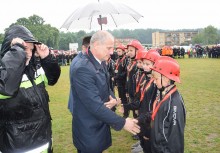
(97, 14)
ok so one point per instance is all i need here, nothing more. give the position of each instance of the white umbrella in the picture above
(97, 14)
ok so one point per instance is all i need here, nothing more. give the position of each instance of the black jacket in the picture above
(24, 111)
(131, 80)
(135, 103)
(110, 68)
(167, 133)
(145, 110)
(121, 73)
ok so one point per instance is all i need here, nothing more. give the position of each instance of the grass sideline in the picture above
(200, 89)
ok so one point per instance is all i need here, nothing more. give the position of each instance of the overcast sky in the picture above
(162, 14)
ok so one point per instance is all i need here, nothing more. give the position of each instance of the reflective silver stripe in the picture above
(39, 72)
(26, 83)
(183, 106)
(4, 97)
(41, 149)
(24, 78)
(165, 119)
(39, 77)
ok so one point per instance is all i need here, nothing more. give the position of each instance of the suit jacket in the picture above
(70, 101)
(91, 119)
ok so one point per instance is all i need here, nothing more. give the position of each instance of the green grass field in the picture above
(200, 89)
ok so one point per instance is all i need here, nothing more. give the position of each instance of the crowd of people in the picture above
(204, 52)
(145, 82)
(197, 51)
(64, 57)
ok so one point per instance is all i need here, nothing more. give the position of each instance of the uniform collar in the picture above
(97, 60)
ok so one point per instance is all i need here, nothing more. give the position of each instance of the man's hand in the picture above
(42, 50)
(131, 126)
(112, 102)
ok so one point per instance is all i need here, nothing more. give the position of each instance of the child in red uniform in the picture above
(148, 95)
(168, 117)
(139, 82)
(133, 47)
(120, 75)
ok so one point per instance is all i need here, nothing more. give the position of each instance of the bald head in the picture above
(102, 45)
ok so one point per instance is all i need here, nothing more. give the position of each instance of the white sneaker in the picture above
(138, 149)
(135, 145)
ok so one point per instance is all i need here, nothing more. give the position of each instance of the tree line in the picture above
(52, 37)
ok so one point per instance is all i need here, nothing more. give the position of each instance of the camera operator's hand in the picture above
(28, 47)
(17, 40)
(42, 50)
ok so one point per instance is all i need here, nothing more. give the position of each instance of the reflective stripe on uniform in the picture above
(4, 97)
(40, 72)
(26, 83)
(41, 149)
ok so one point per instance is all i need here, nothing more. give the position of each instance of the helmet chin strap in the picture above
(148, 72)
(121, 56)
(163, 88)
(134, 55)
(141, 69)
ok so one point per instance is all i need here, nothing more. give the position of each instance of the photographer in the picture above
(26, 68)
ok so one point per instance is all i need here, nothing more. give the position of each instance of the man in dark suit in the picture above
(93, 99)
